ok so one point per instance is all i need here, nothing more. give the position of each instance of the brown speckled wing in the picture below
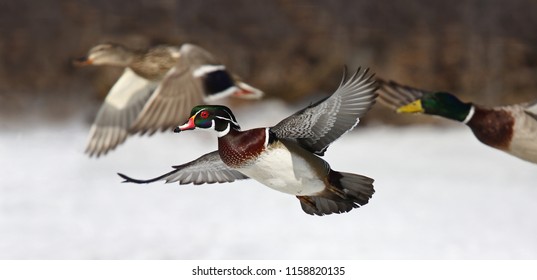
(320, 124)
(207, 169)
(394, 95)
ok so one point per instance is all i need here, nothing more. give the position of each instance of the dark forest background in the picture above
(485, 51)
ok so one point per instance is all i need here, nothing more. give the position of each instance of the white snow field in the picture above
(440, 194)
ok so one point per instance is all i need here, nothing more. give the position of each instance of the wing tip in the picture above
(394, 95)
(127, 179)
(362, 77)
(96, 153)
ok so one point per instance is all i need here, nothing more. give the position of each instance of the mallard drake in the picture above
(512, 129)
(157, 90)
(285, 157)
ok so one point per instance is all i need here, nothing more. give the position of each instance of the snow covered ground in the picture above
(439, 195)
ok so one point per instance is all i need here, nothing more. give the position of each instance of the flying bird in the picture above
(285, 157)
(512, 128)
(156, 91)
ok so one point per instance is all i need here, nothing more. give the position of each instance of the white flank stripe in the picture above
(266, 137)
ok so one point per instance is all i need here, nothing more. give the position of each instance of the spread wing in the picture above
(178, 92)
(395, 95)
(208, 168)
(320, 124)
(119, 110)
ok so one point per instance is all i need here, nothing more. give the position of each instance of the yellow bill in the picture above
(414, 107)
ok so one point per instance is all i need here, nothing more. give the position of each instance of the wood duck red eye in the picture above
(204, 114)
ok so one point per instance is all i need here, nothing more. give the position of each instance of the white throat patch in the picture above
(225, 132)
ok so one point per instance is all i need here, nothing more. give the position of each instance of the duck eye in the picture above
(204, 114)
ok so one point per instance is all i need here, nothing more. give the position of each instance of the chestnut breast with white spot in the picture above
(282, 166)
(238, 147)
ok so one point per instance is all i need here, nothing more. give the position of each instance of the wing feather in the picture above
(119, 110)
(320, 124)
(395, 95)
(179, 89)
(207, 169)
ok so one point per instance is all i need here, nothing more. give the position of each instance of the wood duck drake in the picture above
(157, 90)
(285, 157)
(512, 129)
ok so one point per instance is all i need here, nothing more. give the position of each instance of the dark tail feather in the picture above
(359, 188)
(347, 191)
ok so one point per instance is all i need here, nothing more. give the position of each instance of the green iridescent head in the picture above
(439, 103)
(217, 117)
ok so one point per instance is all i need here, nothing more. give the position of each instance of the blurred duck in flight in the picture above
(512, 128)
(157, 90)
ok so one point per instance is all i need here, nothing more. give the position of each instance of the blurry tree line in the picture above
(483, 50)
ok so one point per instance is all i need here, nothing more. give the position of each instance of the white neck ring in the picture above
(470, 115)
